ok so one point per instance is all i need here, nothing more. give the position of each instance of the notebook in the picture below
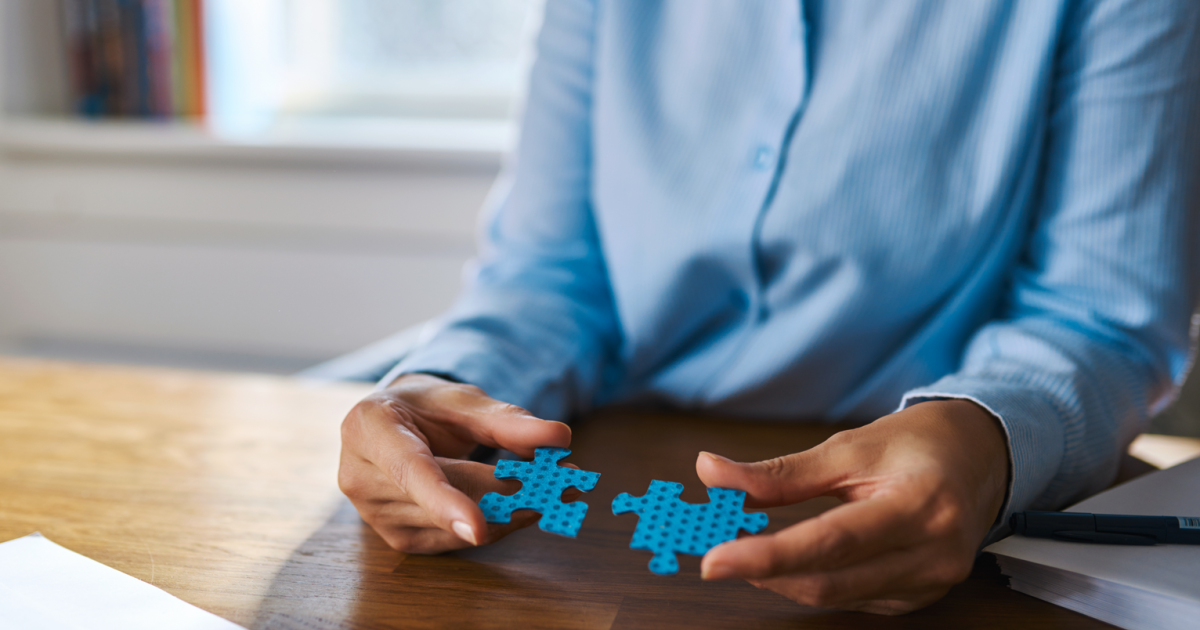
(1128, 586)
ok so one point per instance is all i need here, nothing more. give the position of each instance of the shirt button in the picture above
(762, 157)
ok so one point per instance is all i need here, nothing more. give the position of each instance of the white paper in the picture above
(1171, 570)
(46, 587)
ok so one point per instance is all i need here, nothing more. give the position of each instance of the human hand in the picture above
(921, 487)
(402, 465)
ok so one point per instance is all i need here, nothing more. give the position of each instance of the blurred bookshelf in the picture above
(135, 59)
(170, 240)
(63, 94)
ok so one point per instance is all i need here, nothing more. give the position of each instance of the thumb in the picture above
(772, 482)
(497, 424)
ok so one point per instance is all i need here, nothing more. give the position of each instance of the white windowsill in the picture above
(442, 143)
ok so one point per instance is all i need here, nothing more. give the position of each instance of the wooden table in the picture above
(221, 490)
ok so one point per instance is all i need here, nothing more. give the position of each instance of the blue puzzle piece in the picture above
(668, 526)
(542, 485)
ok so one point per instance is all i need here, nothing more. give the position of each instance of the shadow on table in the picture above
(344, 576)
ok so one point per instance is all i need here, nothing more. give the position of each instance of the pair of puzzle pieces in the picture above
(666, 525)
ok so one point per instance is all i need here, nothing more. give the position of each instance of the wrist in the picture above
(983, 449)
(999, 474)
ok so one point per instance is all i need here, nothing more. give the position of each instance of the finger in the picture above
(399, 523)
(773, 482)
(895, 582)
(372, 485)
(843, 536)
(474, 417)
(424, 541)
(409, 517)
(475, 479)
(405, 459)
(392, 507)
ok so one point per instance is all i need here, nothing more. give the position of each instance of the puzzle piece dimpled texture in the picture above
(668, 526)
(542, 485)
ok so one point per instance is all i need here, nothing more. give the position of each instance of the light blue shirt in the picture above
(824, 210)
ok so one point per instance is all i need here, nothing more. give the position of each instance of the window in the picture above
(368, 69)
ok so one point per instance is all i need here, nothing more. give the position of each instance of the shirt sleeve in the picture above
(535, 326)
(1096, 333)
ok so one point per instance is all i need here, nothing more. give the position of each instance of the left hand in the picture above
(921, 487)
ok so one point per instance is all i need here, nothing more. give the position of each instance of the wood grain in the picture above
(221, 490)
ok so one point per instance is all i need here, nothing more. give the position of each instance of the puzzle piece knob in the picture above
(665, 564)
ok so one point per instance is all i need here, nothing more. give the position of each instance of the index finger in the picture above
(840, 537)
(500, 425)
(405, 459)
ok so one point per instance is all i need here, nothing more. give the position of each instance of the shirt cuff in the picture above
(1032, 427)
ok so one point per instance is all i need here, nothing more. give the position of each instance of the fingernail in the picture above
(715, 571)
(464, 532)
(717, 457)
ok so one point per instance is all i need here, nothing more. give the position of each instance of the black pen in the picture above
(1107, 528)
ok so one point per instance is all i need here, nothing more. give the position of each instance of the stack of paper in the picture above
(1127, 586)
(46, 587)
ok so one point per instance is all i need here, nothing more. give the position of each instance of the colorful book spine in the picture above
(136, 58)
(160, 37)
(190, 57)
(79, 22)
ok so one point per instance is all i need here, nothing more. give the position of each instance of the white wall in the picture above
(289, 264)
(32, 78)
(229, 259)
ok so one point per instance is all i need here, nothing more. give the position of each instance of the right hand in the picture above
(402, 461)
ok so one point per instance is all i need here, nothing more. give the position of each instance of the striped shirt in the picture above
(807, 209)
